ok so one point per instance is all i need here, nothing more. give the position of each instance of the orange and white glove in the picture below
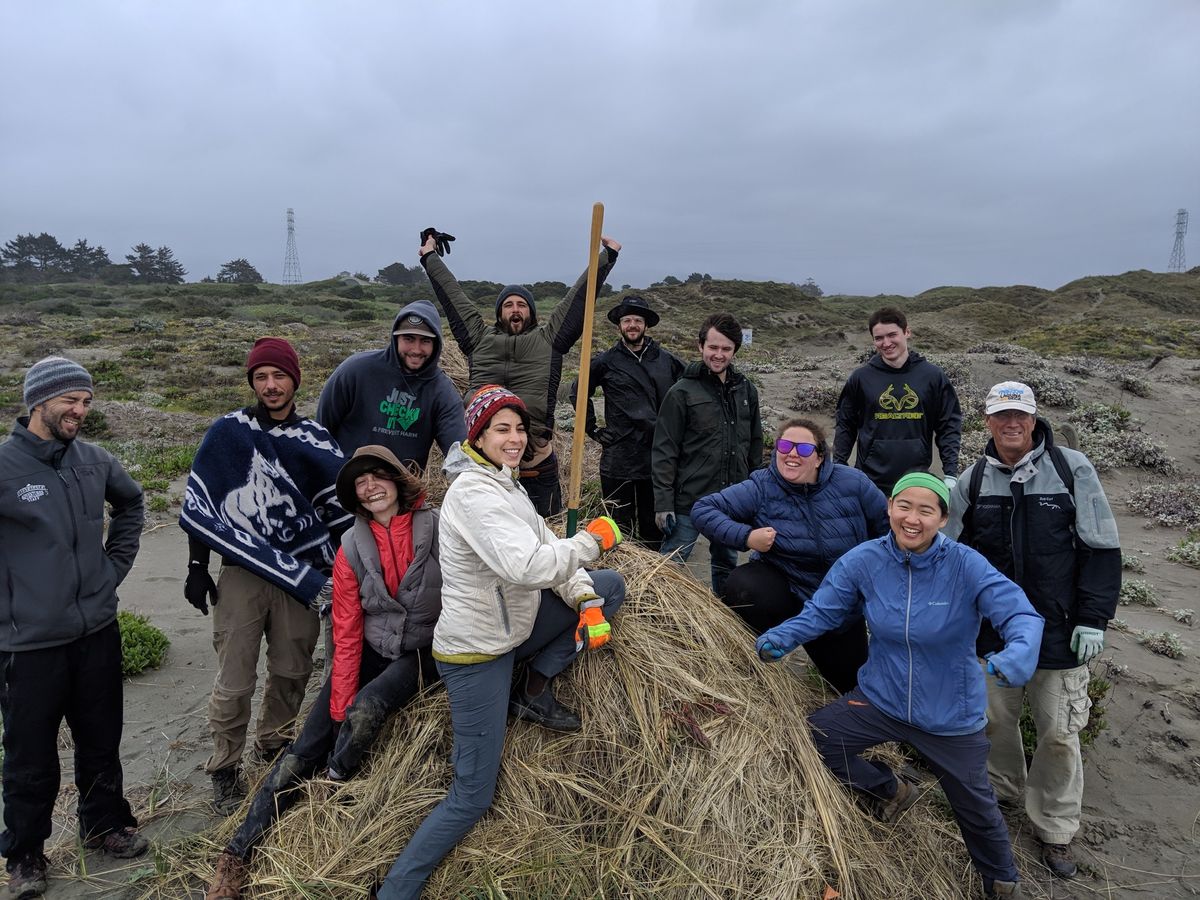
(605, 531)
(593, 630)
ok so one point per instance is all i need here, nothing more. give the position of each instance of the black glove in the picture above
(199, 587)
(604, 437)
(441, 239)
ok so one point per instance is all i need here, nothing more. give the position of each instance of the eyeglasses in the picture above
(803, 449)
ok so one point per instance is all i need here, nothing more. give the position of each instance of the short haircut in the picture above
(889, 315)
(818, 432)
(726, 325)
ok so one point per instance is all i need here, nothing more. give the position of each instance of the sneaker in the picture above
(27, 877)
(229, 790)
(120, 843)
(890, 810)
(543, 710)
(1011, 890)
(1059, 860)
(229, 878)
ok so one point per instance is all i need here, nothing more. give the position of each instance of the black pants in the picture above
(541, 483)
(80, 681)
(632, 505)
(760, 593)
(385, 685)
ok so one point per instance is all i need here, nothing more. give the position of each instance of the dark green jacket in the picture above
(528, 364)
(708, 436)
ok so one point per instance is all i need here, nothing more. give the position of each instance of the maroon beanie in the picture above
(272, 351)
(485, 403)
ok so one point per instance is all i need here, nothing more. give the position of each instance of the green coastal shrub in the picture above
(142, 645)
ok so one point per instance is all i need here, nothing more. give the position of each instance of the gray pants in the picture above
(479, 713)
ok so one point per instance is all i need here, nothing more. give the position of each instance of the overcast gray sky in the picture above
(875, 146)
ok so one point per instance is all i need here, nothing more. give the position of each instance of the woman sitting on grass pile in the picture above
(513, 592)
(924, 597)
(386, 599)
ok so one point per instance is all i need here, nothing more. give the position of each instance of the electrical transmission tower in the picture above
(1178, 263)
(291, 259)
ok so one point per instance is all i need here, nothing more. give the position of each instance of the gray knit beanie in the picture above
(52, 377)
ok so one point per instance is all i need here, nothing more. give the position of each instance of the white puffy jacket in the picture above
(496, 557)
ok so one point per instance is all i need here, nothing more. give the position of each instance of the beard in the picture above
(514, 324)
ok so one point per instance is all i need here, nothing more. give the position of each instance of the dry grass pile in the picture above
(694, 776)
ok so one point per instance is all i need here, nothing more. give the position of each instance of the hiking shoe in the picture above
(1011, 890)
(266, 758)
(543, 710)
(229, 790)
(120, 843)
(229, 878)
(27, 877)
(890, 810)
(1059, 860)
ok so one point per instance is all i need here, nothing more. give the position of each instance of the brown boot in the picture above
(229, 879)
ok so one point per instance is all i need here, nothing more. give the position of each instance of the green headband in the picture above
(925, 480)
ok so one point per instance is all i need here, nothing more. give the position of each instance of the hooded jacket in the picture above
(497, 555)
(371, 398)
(893, 415)
(815, 524)
(634, 385)
(923, 611)
(708, 436)
(1061, 546)
(386, 593)
(58, 572)
(530, 363)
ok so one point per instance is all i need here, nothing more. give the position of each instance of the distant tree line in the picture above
(30, 259)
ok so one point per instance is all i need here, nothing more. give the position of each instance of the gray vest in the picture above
(393, 625)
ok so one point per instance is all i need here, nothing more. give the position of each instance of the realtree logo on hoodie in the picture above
(902, 407)
(399, 409)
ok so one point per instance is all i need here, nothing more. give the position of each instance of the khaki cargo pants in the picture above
(248, 609)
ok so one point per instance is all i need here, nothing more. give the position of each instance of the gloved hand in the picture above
(604, 437)
(1086, 642)
(995, 672)
(441, 239)
(767, 651)
(605, 531)
(950, 481)
(199, 587)
(324, 600)
(665, 522)
(593, 630)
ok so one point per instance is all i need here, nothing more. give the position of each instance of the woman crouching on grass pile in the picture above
(386, 599)
(924, 597)
(513, 592)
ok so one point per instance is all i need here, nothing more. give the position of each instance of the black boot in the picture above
(541, 708)
(229, 789)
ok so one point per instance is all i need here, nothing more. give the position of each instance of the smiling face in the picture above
(514, 314)
(414, 350)
(891, 343)
(916, 517)
(378, 496)
(717, 352)
(1012, 430)
(61, 417)
(633, 330)
(503, 440)
(794, 468)
(274, 389)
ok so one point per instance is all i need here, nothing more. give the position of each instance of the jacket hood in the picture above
(426, 311)
(936, 553)
(876, 362)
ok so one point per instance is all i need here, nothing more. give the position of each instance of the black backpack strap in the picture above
(1064, 469)
(975, 482)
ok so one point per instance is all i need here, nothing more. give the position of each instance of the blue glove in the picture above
(1086, 643)
(996, 672)
(767, 651)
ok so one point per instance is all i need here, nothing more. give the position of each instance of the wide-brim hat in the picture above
(371, 456)
(633, 305)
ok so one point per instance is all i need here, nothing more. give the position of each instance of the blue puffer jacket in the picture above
(814, 523)
(924, 612)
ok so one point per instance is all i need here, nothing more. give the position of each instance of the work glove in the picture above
(950, 481)
(665, 522)
(199, 589)
(324, 600)
(441, 239)
(996, 672)
(605, 531)
(1086, 642)
(767, 651)
(604, 437)
(593, 630)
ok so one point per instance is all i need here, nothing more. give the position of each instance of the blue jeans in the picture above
(479, 715)
(682, 539)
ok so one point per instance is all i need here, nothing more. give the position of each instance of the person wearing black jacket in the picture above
(635, 374)
(892, 407)
(60, 646)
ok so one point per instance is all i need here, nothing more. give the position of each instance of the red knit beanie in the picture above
(273, 351)
(486, 402)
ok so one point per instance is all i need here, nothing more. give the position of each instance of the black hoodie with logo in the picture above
(892, 416)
